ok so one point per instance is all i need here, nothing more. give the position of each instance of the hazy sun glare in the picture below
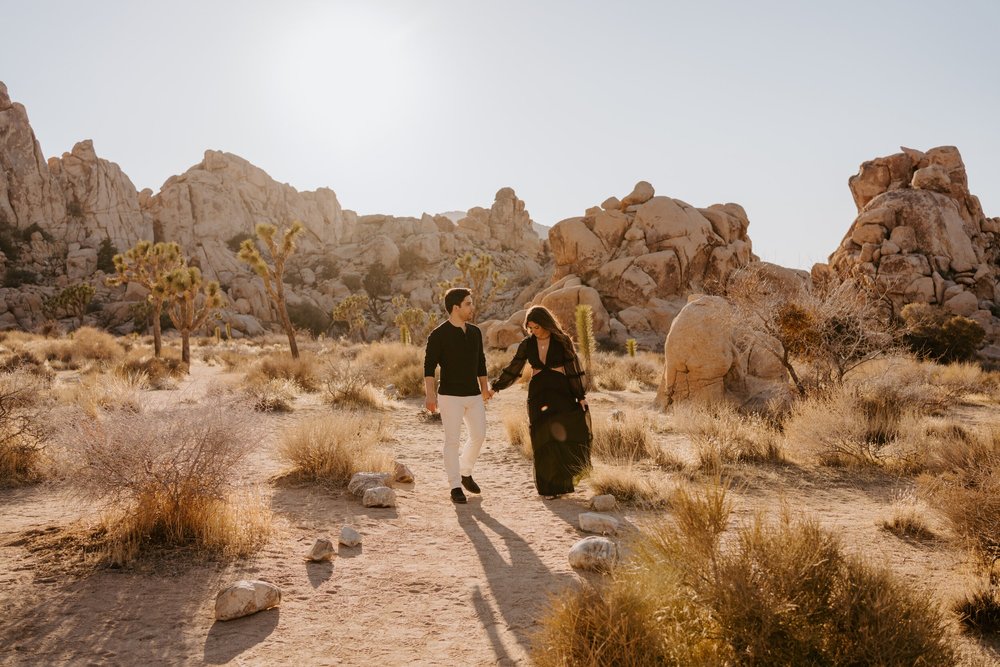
(348, 72)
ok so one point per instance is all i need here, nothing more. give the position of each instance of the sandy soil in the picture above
(433, 583)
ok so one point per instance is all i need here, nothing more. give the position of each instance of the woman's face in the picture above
(537, 330)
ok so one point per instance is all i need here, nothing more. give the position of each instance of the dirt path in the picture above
(433, 583)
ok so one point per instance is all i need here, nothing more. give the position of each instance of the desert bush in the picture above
(779, 594)
(170, 477)
(515, 423)
(721, 435)
(271, 394)
(907, 519)
(331, 448)
(629, 486)
(396, 364)
(23, 428)
(979, 609)
(933, 333)
(347, 389)
(28, 362)
(96, 345)
(633, 373)
(159, 372)
(278, 366)
(309, 317)
(866, 424)
(624, 436)
(966, 488)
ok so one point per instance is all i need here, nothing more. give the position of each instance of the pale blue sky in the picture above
(409, 106)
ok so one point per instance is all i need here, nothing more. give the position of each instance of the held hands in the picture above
(583, 404)
(488, 394)
(431, 403)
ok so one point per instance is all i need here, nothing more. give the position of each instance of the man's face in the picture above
(466, 309)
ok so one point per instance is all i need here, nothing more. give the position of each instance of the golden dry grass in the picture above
(351, 390)
(282, 366)
(271, 394)
(722, 435)
(160, 372)
(614, 372)
(171, 478)
(630, 486)
(979, 609)
(625, 435)
(23, 428)
(331, 448)
(907, 520)
(780, 593)
(515, 423)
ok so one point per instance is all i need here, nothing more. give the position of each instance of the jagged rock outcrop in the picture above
(922, 235)
(644, 254)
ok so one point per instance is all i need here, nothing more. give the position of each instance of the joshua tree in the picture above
(149, 264)
(414, 323)
(479, 275)
(183, 286)
(378, 286)
(273, 274)
(352, 311)
(72, 301)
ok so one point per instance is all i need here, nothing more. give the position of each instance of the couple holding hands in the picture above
(558, 416)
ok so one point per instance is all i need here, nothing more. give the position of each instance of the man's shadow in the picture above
(519, 587)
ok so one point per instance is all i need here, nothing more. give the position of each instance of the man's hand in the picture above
(487, 394)
(431, 403)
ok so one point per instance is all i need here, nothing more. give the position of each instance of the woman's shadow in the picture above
(518, 587)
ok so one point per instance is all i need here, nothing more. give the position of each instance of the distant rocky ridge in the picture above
(635, 260)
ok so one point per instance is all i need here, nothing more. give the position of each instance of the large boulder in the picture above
(921, 234)
(649, 250)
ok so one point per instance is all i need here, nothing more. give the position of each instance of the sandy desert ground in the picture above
(432, 584)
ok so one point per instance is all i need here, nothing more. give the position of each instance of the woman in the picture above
(557, 404)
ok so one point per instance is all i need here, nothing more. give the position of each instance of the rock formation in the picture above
(645, 254)
(922, 235)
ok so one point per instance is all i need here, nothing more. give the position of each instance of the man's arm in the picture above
(484, 383)
(432, 355)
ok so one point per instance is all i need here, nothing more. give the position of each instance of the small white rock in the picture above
(379, 496)
(244, 598)
(362, 481)
(321, 550)
(605, 503)
(593, 553)
(349, 537)
(591, 522)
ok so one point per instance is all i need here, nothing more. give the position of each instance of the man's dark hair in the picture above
(454, 297)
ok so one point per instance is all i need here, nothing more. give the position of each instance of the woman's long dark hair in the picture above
(544, 318)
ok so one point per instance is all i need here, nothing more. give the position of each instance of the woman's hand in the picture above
(583, 404)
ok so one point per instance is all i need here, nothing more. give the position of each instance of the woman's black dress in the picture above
(560, 426)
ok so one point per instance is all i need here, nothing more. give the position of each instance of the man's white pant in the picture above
(454, 410)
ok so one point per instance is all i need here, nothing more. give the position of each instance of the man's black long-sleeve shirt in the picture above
(461, 357)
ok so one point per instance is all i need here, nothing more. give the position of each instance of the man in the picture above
(457, 347)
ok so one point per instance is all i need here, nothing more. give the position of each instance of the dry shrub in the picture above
(23, 428)
(619, 373)
(95, 345)
(271, 395)
(629, 486)
(623, 436)
(907, 520)
(781, 594)
(966, 488)
(28, 362)
(393, 364)
(518, 430)
(868, 424)
(160, 372)
(331, 448)
(979, 609)
(98, 393)
(721, 435)
(346, 389)
(170, 478)
(283, 366)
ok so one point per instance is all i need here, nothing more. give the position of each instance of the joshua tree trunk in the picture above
(186, 347)
(157, 337)
(289, 330)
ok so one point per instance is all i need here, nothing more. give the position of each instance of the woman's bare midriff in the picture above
(557, 369)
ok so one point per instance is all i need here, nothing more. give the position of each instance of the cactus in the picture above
(229, 331)
(273, 275)
(404, 335)
(218, 334)
(352, 311)
(585, 337)
(630, 347)
(148, 265)
(417, 322)
(191, 302)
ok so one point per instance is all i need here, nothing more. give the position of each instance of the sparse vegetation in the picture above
(625, 437)
(273, 274)
(518, 431)
(979, 609)
(23, 428)
(778, 594)
(303, 372)
(629, 486)
(170, 476)
(722, 435)
(70, 302)
(331, 448)
(933, 333)
(148, 265)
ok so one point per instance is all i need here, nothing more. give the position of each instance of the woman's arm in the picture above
(513, 371)
(575, 375)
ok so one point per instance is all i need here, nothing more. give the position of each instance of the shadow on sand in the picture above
(227, 639)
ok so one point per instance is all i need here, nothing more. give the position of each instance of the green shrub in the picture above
(932, 333)
(106, 256)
